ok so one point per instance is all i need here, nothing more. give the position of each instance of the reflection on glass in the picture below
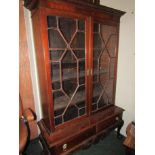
(55, 39)
(51, 21)
(79, 40)
(67, 26)
(104, 53)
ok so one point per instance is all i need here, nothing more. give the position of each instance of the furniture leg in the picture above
(119, 127)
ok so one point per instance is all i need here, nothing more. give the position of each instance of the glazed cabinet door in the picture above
(67, 48)
(104, 65)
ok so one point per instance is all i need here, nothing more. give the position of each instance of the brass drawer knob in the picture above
(64, 147)
(117, 118)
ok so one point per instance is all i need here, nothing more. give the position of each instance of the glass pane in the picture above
(103, 65)
(69, 57)
(98, 43)
(56, 54)
(67, 26)
(55, 39)
(103, 101)
(110, 100)
(55, 72)
(79, 53)
(95, 70)
(69, 86)
(58, 120)
(81, 104)
(82, 72)
(95, 65)
(104, 62)
(96, 27)
(60, 101)
(112, 68)
(79, 40)
(97, 90)
(58, 112)
(109, 88)
(81, 25)
(103, 78)
(82, 111)
(94, 107)
(111, 45)
(69, 71)
(51, 21)
(72, 112)
(67, 60)
(79, 97)
(56, 85)
(107, 31)
(97, 53)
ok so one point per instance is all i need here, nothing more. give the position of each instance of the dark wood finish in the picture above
(25, 117)
(25, 81)
(120, 125)
(82, 137)
(51, 36)
(129, 142)
(88, 6)
(32, 4)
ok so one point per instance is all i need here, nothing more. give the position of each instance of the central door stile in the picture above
(90, 63)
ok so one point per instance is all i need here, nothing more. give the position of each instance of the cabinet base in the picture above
(56, 144)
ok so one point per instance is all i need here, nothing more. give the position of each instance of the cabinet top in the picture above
(85, 4)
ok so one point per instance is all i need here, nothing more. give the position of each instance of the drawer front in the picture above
(106, 123)
(74, 141)
(70, 130)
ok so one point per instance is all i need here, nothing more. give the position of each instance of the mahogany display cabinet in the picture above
(76, 44)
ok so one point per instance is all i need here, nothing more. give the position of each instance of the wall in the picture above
(125, 90)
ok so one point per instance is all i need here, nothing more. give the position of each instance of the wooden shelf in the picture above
(61, 102)
(68, 75)
(76, 49)
(68, 64)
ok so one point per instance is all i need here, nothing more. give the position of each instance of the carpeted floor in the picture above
(110, 145)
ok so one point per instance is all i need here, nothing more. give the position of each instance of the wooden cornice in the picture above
(30, 4)
(94, 4)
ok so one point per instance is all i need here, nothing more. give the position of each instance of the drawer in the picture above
(106, 123)
(70, 130)
(74, 141)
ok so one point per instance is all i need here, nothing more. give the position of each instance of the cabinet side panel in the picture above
(25, 81)
(41, 68)
(116, 62)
